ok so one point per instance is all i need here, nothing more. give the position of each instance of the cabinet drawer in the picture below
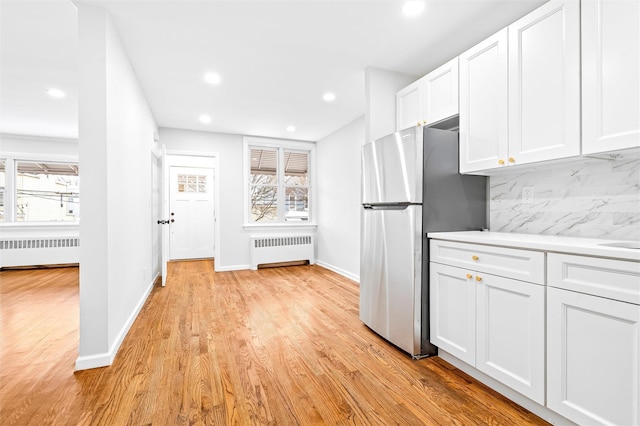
(613, 279)
(518, 264)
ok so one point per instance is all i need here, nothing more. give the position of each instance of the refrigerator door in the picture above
(392, 168)
(390, 274)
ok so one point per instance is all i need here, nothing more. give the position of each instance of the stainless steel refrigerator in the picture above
(410, 186)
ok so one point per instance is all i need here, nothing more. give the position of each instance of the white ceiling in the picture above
(275, 58)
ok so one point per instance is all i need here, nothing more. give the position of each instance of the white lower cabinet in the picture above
(493, 323)
(593, 341)
(510, 333)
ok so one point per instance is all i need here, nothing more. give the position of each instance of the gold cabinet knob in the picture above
(501, 162)
(469, 276)
(424, 121)
(474, 257)
(478, 278)
(512, 160)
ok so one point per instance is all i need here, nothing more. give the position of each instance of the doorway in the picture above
(191, 207)
(190, 213)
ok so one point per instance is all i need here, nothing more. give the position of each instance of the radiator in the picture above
(282, 248)
(39, 251)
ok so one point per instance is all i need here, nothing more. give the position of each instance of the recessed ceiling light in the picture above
(291, 129)
(212, 78)
(204, 118)
(412, 8)
(329, 97)
(56, 93)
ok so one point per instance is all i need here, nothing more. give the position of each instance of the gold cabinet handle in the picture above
(501, 162)
(474, 257)
(469, 276)
(512, 160)
(478, 278)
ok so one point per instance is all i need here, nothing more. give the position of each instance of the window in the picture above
(279, 183)
(46, 192)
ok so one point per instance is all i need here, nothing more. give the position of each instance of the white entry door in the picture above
(191, 212)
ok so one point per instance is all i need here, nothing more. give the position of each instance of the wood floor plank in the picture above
(281, 346)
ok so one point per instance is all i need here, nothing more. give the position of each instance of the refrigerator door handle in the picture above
(401, 206)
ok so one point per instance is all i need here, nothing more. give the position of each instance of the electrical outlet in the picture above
(527, 195)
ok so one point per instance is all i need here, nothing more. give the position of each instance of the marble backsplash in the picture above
(592, 198)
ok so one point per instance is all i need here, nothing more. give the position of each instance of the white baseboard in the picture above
(106, 359)
(218, 268)
(337, 270)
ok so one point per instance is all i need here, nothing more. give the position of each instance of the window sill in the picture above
(39, 225)
(288, 227)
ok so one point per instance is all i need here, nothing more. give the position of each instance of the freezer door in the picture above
(392, 168)
(390, 275)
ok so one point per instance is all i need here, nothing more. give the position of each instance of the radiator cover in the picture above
(282, 248)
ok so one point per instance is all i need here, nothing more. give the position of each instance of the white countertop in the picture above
(549, 243)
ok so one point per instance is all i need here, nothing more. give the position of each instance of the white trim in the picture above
(106, 358)
(339, 271)
(219, 268)
(39, 225)
(52, 158)
(37, 138)
(284, 226)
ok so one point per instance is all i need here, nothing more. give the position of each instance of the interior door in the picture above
(191, 214)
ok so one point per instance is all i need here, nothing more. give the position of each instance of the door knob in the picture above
(163, 222)
(173, 220)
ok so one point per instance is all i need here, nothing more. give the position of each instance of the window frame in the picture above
(280, 145)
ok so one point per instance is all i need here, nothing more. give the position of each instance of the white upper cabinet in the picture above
(544, 83)
(610, 75)
(441, 92)
(520, 91)
(409, 106)
(430, 99)
(483, 104)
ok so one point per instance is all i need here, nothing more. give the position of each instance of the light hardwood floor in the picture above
(281, 346)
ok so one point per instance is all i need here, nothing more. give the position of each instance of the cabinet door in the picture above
(483, 105)
(610, 75)
(510, 343)
(453, 312)
(593, 358)
(544, 83)
(441, 87)
(409, 106)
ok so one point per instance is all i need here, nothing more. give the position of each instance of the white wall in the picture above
(116, 139)
(233, 251)
(589, 197)
(381, 87)
(338, 187)
(38, 145)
